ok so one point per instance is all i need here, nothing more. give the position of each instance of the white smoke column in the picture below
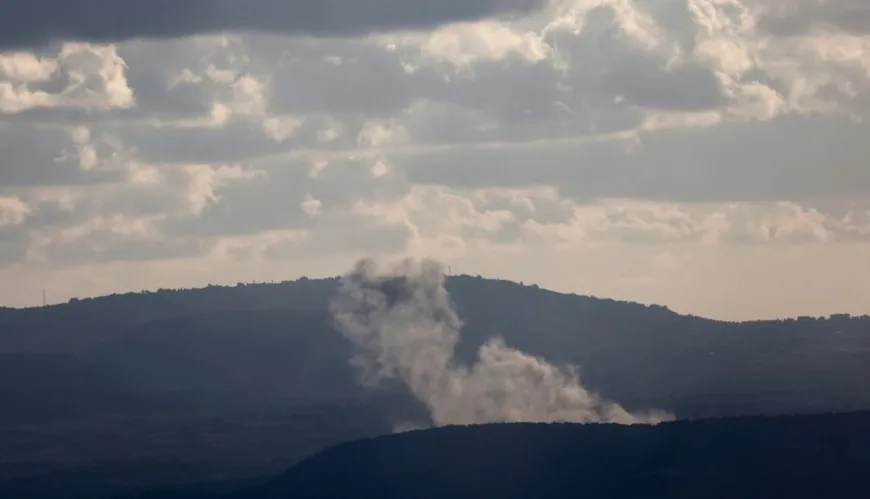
(404, 325)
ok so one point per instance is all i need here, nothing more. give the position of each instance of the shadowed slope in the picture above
(793, 457)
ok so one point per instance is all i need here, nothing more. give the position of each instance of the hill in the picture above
(247, 380)
(81, 325)
(264, 339)
(750, 457)
(47, 388)
(794, 457)
(246, 353)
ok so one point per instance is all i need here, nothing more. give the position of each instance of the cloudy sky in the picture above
(710, 155)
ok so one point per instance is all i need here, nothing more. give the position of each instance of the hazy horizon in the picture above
(52, 300)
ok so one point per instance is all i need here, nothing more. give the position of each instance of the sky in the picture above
(707, 155)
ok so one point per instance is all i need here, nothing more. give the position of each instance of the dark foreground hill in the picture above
(795, 457)
(790, 457)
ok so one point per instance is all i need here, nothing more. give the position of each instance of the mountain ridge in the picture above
(218, 370)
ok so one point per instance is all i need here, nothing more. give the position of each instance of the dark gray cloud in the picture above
(31, 156)
(367, 80)
(14, 242)
(233, 142)
(789, 159)
(32, 23)
(797, 17)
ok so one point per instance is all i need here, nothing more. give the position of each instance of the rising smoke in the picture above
(404, 325)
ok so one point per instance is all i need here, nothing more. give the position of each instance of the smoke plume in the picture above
(404, 325)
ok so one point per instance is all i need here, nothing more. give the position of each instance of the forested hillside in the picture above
(201, 375)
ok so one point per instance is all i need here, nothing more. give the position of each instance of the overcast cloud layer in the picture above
(709, 155)
(35, 22)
